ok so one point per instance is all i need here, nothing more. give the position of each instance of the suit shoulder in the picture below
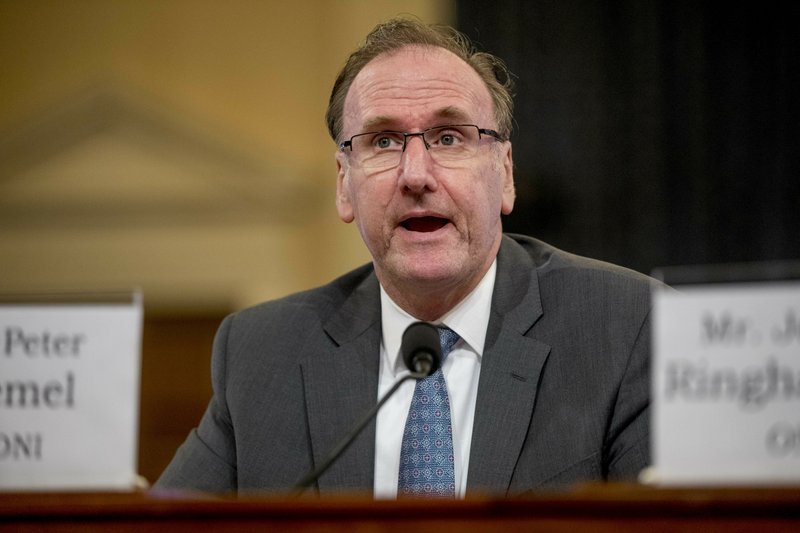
(549, 260)
(576, 280)
(317, 303)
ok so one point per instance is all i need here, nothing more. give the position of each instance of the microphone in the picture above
(421, 349)
(422, 354)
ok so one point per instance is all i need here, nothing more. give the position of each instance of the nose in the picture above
(416, 166)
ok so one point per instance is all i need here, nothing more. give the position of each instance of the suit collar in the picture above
(341, 384)
(359, 311)
(516, 293)
(510, 372)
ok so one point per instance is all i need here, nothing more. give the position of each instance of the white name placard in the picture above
(69, 395)
(726, 384)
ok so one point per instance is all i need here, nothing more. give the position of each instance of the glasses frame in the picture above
(421, 134)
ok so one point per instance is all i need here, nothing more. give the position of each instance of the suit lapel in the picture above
(510, 370)
(341, 385)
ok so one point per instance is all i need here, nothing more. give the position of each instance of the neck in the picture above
(429, 307)
(429, 301)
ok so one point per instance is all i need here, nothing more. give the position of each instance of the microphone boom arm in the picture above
(422, 355)
(304, 483)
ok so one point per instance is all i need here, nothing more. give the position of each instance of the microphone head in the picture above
(422, 352)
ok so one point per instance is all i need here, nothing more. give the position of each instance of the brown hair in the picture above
(400, 32)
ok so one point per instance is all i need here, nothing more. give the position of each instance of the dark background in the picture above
(652, 133)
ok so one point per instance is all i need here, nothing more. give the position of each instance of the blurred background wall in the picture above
(653, 132)
(179, 146)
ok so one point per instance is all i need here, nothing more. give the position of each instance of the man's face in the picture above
(426, 226)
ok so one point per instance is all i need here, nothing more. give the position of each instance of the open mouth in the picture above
(424, 224)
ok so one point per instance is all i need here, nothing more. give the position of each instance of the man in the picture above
(547, 382)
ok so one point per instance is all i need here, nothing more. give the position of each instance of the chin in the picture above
(432, 274)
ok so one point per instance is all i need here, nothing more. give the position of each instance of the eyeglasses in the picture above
(382, 150)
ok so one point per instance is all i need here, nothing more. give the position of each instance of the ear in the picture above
(343, 204)
(509, 194)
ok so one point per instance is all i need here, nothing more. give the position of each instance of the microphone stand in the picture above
(422, 356)
(304, 483)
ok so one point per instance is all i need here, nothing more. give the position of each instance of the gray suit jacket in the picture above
(562, 398)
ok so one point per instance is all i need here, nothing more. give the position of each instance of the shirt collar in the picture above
(470, 319)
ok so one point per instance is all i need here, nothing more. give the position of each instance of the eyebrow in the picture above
(450, 113)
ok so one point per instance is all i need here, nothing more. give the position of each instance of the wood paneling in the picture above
(175, 387)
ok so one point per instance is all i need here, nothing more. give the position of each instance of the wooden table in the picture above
(595, 508)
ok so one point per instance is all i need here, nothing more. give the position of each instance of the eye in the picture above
(447, 137)
(387, 141)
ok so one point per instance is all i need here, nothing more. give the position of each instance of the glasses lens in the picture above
(378, 150)
(452, 143)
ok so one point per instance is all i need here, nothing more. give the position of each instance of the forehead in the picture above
(416, 87)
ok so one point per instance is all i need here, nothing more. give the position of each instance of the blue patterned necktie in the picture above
(426, 455)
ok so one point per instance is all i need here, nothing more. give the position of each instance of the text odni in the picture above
(17, 341)
(20, 446)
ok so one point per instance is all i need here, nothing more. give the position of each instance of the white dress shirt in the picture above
(469, 319)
